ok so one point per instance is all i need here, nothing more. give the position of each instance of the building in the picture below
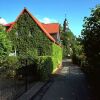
(65, 25)
(45, 37)
(51, 29)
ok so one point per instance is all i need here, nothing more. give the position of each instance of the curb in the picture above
(57, 69)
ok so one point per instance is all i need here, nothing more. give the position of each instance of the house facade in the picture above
(52, 29)
(38, 39)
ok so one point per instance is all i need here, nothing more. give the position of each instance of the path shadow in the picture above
(73, 76)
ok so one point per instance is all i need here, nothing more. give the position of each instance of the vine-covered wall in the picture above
(30, 41)
(30, 36)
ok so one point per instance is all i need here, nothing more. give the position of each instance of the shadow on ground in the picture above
(70, 83)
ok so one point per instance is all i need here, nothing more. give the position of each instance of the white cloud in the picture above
(3, 21)
(48, 20)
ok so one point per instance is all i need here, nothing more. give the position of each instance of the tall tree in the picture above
(67, 41)
(91, 38)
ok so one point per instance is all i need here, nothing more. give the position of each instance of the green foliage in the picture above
(33, 53)
(10, 65)
(5, 44)
(67, 40)
(12, 61)
(27, 67)
(78, 56)
(27, 38)
(56, 55)
(44, 67)
(47, 64)
(91, 38)
(36, 37)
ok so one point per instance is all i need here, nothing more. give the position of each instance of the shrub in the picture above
(56, 55)
(32, 53)
(10, 66)
(91, 39)
(5, 44)
(27, 67)
(44, 67)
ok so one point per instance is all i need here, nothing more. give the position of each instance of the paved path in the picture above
(69, 84)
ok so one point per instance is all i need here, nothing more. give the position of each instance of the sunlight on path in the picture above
(69, 84)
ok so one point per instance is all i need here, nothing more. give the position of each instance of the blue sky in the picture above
(50, 10)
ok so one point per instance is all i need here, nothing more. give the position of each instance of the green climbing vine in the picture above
(30, 42)
(27, 36)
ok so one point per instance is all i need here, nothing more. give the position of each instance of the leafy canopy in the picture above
(5, 44)
(91, 37)
(67, 40)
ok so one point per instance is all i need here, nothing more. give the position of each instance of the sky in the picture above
(50, 11)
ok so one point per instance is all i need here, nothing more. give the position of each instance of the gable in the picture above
(47, 29)
(36, 21)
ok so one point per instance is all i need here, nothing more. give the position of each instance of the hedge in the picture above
(10, 65)
(44, 67)
(56, 55)
(47, 64)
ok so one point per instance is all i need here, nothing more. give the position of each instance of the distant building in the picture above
(65, 25)
(53, 29)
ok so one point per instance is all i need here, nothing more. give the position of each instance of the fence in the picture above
(12, 88)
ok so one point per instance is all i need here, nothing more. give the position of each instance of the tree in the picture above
(5, 44)
(78, 56)
(91, 38)
(67, 41)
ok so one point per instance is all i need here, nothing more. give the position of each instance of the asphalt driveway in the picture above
(69, 84)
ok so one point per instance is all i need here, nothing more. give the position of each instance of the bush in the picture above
(91, 39)
(10, 66)
(44, 67)
(27, 67)
(80, 61)
(56, 56)
(47, 64)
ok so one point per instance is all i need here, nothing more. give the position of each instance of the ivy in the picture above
(31, 42)
(5, 44)
(29, 36)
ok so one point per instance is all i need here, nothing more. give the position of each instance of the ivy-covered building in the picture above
(32, 38)
(52, 29)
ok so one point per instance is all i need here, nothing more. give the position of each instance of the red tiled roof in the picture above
(10, 26)
(51, 28)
